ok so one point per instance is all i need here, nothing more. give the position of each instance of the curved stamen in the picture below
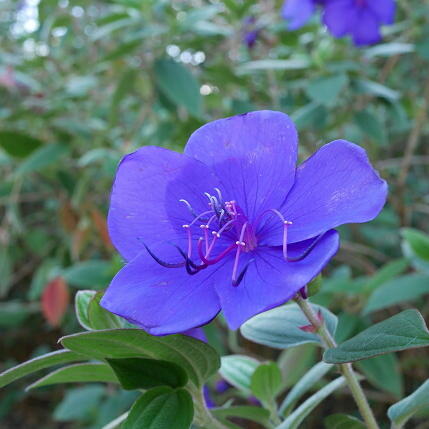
(308, 250)
(200, 216)
(161, 262)
(243, 272)
(219, 194)
(188, 205)
(217, 258)
(240, 245)
(286, 223)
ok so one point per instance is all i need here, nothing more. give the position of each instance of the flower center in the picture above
(224, 229)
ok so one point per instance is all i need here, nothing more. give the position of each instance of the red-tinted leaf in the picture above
(55, 299)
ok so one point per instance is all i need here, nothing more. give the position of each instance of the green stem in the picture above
(346, 368)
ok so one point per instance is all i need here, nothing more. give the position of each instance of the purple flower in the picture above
(361, 19)
(250, 31)
(298, 12)
(231, 224)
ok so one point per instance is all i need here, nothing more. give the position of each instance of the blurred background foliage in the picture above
(83, 83)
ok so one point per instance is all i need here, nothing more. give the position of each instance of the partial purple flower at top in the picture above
(361, 19)
(250, 31)
(298, 12)
(231, 224)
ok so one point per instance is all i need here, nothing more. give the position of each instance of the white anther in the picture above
(286, 222)
(240, 243)
(216, 234)
(185, 226)
(204, 226)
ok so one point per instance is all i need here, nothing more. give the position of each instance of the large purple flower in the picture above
(231, 224)
(361, 19)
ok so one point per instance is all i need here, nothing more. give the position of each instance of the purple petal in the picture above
(145, 205)
(297, 12)
(340, 17)
(271, 281)
(254, 156)
(163, 300)
(197, 333)
(337, 185)
(384, 10)
(367, 29)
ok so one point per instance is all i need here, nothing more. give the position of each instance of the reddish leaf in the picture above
(55, 299)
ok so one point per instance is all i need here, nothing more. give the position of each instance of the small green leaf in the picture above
(303, 386)
(82, 300)
(295, 419)
(41, 158)
(266, 382)
(79, 373)
(326, 90)
(343, 421)
(400, 412)
(280, 327)
(198, 359)
(17, 144)
(99, 318)
(255, 414)
(418, 242)
(374, 88)
(79, 403)
(139, 373)
(179, 85)
(38, 363)
(292, 64)
(383, 372)
(403, 331)
(94, 274)
(161, 408)
(238, 370)
(396, 291)
(389, 49)
(385, 273)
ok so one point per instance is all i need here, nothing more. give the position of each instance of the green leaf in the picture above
(41, 158)
(418, 242)
(17, 144)
(292, 64)
(400, 412)
(389, 49)
(371, 125)
(198, 359)
(79, 403)
(237, 370)
(6, 268)
(280, 327)
(79, 373)
(303, 386)
(179, 85)
(326, 90)
(255, 414)
(139, 373)
(296, 418)
(403, 331)
(38, 363)
(94, 274)
(385, 273)
(343, 421)
(161, 408)
(383, 372)
(377, 89)
(266, 382)
(397, 291)
(99, 318)
(81, 303)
